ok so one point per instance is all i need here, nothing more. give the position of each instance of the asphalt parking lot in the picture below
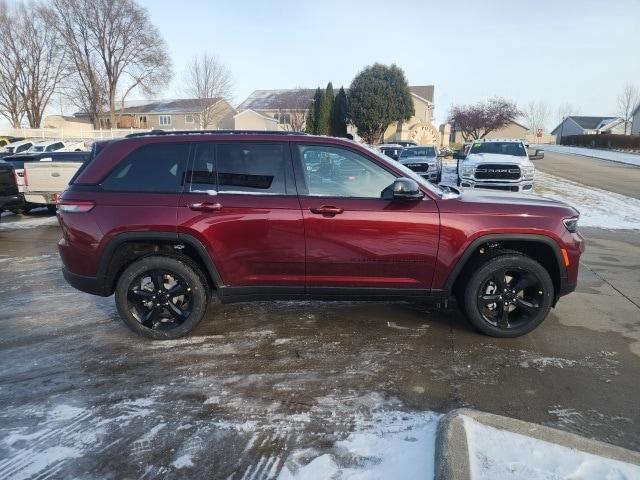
(83, 397)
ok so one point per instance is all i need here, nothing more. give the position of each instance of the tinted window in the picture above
(203, 175)
(338, 172)
(23, 148)
(419, 152)
(152, 168)
(251, 167)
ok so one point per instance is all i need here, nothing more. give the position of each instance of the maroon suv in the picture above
(168, 220)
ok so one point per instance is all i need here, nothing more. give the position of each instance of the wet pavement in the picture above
(258, 384)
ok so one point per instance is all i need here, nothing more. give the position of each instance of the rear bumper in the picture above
(41, 198)
(11, 201)
(85, 284)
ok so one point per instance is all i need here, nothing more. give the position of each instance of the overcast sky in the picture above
(581, 52)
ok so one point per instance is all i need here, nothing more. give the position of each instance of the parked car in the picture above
(424, 161)
(169, 221)
(21, 146)
(498, 164)
(10, 198)
(45, 179)
(6, 140)
(20, 160)
(391, 150)
(56, 146)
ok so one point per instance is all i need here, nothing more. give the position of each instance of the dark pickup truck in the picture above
(9, 195)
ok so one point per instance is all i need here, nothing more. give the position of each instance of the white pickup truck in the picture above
(44, 180)
(47, 146)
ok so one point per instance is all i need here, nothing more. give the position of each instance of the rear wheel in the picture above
(508, 295)
(161, 297)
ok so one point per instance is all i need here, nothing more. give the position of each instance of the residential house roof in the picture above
(180, 105)
(300, 98)
(587, 122)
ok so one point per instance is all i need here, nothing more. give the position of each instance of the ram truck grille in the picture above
(497, 172)
(417, 167)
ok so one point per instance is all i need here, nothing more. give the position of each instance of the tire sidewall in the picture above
(480, 275)
(198, 292)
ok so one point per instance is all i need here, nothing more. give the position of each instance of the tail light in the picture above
(55, 197)
(76, 206)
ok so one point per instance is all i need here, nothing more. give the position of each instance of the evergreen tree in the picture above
(318, 98)
(379, 96)
(339, 116)
(323, 126)
(309, 123)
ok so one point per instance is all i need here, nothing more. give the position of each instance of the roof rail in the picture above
(215, 132)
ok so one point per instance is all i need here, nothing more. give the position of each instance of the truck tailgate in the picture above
(49, 176)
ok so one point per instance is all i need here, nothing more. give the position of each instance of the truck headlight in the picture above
(528, 171)
(467, 171)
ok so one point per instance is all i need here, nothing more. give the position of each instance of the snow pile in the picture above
(500, 455)
(598, 208)
(389, 445)
(613, 156)
(26, 223)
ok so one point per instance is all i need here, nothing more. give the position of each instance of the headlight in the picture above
(467, 171)
(571, 224)
(528, 171)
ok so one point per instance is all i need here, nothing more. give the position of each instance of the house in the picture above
(67, 123)
(289, 108)
(582, 125)
(178, 114)
(512, 130)
(251, 120)
(635, 121)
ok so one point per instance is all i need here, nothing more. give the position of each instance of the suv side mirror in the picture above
(403, 189)
(539, 155)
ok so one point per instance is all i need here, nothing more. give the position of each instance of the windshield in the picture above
(409, 173)
(419, 152)
(37, 149)
(503, 148)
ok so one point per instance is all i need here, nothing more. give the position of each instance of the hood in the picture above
(494, 158)
(492, 202)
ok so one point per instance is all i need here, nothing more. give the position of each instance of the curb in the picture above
(452, 453)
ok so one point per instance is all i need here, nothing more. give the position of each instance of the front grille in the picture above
(497, 172)
(498, 187)
(417, 167)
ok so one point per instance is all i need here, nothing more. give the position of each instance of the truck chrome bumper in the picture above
(522, 187)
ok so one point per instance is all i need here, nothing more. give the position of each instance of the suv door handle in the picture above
(206, 207)
(327, 210)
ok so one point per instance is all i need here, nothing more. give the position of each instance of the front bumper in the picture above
(524, 186)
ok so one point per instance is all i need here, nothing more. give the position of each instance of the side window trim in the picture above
(301, 181)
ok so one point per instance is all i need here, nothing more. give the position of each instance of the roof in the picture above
(248, 110)
(179, 105)
(423, 91)
(587, 122)
(292, 98)
(300, 98)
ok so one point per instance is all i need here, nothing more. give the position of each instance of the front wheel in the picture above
(508, 295)
(161, 297)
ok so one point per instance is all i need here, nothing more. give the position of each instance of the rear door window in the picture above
(155, 168)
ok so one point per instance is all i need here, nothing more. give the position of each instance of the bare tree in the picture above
(536, 115)
(565, 110)
(206, 80)
(627, 102)
(477, 121)
(85, 87)
(11, 106)
(292, 106)
(115, 48)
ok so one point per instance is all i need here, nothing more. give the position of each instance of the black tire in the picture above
(148, 307)
(51, 208)
(506, 281)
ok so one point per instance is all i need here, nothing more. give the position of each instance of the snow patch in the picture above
(183, 461)
(612, 156)
(500, 455)
(28, 223)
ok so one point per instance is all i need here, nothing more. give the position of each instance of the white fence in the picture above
(70, 134)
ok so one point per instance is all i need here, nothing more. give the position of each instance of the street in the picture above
(603, 174)
(260, 383)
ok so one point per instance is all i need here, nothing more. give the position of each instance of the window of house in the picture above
(165, 120)
(151, 168)
(338, 172)
(189, 119)
(252, 168)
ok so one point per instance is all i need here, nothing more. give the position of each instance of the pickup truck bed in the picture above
(44, 179)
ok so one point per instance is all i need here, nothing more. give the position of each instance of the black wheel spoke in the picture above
(150, 318)
(138, 295)
(490, 298)
(527, 306)
(499, 278)
(158, 280)
(503, 319)
(526, 281)
(177, 290)
(175, 312)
